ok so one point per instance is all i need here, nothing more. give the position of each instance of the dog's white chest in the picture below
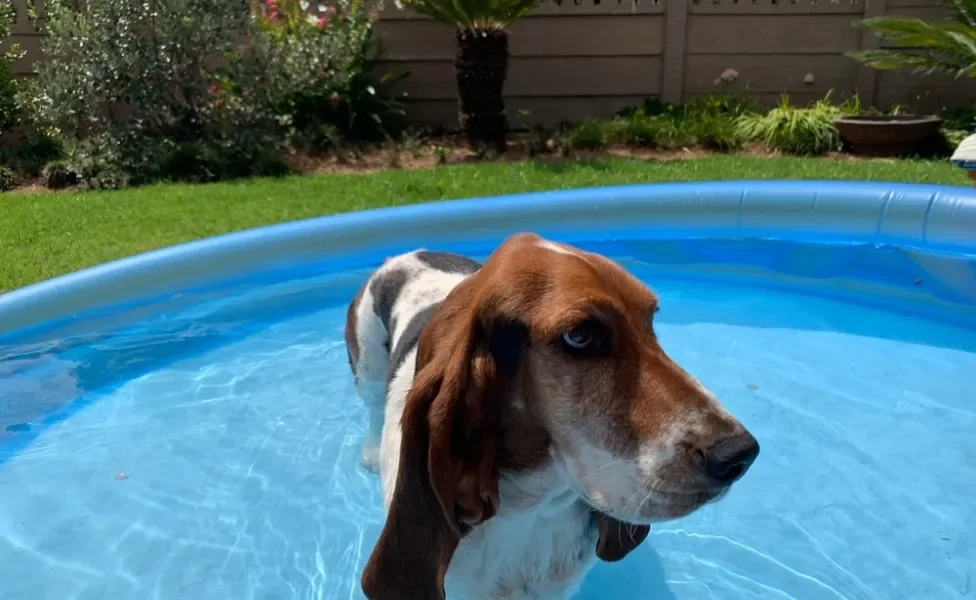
(533, 556)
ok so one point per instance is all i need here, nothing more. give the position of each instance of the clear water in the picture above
(131, 468)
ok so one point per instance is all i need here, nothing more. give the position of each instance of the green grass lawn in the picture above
(44, 235)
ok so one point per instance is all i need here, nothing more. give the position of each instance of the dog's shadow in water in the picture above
(640, 575)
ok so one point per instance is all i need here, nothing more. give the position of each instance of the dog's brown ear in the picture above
(410, 558)
(618, 539)
(447, 479)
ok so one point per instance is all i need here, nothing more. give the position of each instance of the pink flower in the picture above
(330, 10)
(323, 21)
(214, 89)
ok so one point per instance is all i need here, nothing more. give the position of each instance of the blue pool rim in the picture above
(934, 218)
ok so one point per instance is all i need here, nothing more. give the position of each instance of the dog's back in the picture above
(384, 322)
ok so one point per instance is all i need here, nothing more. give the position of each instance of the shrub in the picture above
(318, 69)
(960, 119)
(7, 179)
(35, 148)
(9, 107)
(641, 129)
(715, 105)
(129, 84)
(715, 132)
(793, 130)
(57, 175)
(589, 135)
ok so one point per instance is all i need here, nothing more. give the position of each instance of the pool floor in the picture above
(233, 474)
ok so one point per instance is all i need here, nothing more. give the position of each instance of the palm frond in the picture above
(920, 63)
(964, 11)
(947, 47)
(473, 14)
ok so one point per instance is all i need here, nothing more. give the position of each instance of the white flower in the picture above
(729, 75)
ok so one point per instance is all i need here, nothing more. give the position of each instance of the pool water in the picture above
(132, 468)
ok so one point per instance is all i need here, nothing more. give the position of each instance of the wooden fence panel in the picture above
(579, 60)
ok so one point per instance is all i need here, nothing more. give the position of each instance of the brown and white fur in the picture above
(524, 421)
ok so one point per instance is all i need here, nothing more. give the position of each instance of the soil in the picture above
(439, 151)
(426, 153)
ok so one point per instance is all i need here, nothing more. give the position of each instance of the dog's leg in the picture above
(372, 370)
(373, 394)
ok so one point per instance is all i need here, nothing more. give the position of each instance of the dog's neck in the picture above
(545, 490)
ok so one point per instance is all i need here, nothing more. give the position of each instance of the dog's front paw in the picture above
(370, 459)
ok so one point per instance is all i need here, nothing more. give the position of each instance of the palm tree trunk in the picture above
(480, 67)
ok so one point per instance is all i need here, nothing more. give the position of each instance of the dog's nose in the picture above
(728, 459)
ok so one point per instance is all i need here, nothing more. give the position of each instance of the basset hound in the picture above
(524, 421)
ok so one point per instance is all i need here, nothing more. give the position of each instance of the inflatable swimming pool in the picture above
(183, 424)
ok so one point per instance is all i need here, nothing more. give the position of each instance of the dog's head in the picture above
(547, 356)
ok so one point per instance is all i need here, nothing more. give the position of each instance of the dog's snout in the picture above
(728, 459)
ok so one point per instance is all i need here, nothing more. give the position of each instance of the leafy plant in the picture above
(9, 107)
(960, 119)
(131, 84)
(58, 175)
(318, 69)
(793, 130)
(946, 46)
(716, 132)
(474, 15)
(35, 148)
(588, 135)
(7, 179)
(707, 121)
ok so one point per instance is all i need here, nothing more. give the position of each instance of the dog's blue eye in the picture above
(578, 338)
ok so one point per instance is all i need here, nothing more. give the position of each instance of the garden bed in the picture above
(439, 151)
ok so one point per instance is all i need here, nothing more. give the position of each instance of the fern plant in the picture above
(947, 46)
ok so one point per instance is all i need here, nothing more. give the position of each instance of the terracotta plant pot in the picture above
(887, 135)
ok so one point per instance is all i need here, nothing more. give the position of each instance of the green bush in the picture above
(716, 132)
(7, 179)
(129, 83)
(640, 129)
(959, 119)
(203, 90)
(9, 109)
(35, 148)
(9, 105)
(708, 121)
(57, 175)
(793, 130)
(589, 135)
(318, 69)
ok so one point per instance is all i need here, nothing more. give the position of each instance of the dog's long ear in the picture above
(618, 539)
(447, 480)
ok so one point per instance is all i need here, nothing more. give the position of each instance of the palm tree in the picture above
(947, 46)
(481, 59)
